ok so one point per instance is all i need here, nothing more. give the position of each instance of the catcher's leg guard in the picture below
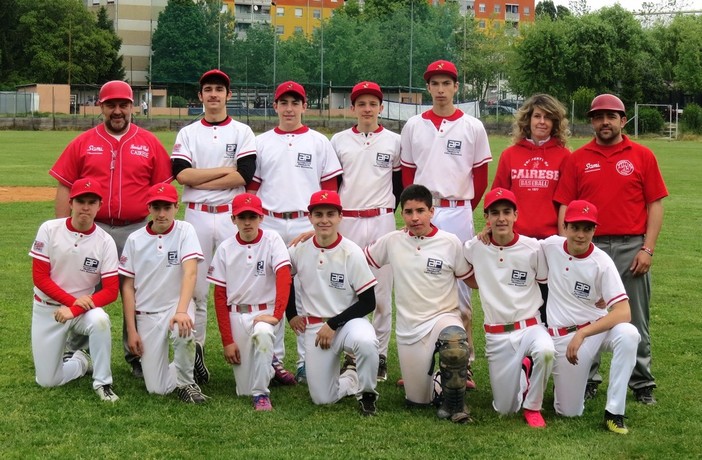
(454, 353)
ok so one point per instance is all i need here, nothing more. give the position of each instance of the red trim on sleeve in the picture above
(283, 280)
(225, 325)
(254, 185)
(480, 181)
(330, 184)
(408, 175)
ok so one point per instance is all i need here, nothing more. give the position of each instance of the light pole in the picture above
(275, 40)
(321, 60)
(222, 9)
(411, 46)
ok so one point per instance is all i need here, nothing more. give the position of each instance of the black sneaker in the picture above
(137, 371)
(367, 404)
(191, 394)
(382, 368)
(615, 423)
(591, 390)
(349, 364)
(645, 395)
(200, 372)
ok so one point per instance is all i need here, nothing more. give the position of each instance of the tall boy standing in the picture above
(159, 265)
(447, 151)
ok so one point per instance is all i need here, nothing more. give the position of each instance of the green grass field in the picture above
(71, 422)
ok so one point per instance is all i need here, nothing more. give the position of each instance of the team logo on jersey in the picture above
(123, 260)
(139, 150)
(230, 151)
(38, 246)
(210, 270)
(90, 265)
(581, 290)
(434, 266)
(453, 147)
(95, 150)
(625, 167)
(519, 278)
(173, 258)
(592, 167)
(260, 268)
(382, 160)
(336, 280)
(304, 160)
(176, 148)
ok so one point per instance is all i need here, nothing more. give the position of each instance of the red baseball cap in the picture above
(499, 194)
(441, 67)
(215, 75)
(290, 87)
(581, 211)
(116, 89)
(246, 202)
(325, 198)
(85, 186)
(366, 87)
(162, 192)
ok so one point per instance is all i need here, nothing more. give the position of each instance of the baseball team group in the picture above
(289, 224)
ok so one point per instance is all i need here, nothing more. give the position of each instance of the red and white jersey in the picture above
(78, 260)
(125, 168)
(291, 166)
(247, 270)
(532, 173)
(204, 145)
(576, 283)
(621, 180)
(507, 277)
(154, 262)
(330, 278)
(445, 157)
(368, 161)
(425, 270)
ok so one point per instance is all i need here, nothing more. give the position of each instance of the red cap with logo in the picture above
(214, 75)
(85, 186)
(290, 87)
(325, 198)
(247, 202)
(499, 194)
(162, 192)
(441, 68)
(116, 89)
(581, 211)
(366, 87)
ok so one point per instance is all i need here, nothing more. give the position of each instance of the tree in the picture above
(116, 71)
(548, 10)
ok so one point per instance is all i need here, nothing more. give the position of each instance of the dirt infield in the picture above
(26, 194)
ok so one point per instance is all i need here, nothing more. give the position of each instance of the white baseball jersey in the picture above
(291, 166)
(247, 270)
(445, 157)
(204, 145)
(368, 161)
(576, 283)
(425, 274)
(78, 260)
(330, 278)
(507, 277)
(154, 262)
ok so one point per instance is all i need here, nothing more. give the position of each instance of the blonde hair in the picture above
(521, 128)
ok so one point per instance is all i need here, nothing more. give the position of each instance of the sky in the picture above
(631, 5)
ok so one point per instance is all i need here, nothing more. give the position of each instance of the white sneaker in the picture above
(85, 360)
(106, 393)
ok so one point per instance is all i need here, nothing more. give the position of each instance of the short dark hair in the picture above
(416, 192)
(214, 79)
(296, 97)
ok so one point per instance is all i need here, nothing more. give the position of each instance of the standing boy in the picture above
(506, 271)
(159, 265)
(370, 189)
(251, 274)
(580, 274)
(337, 292)
(447, 151)
(214, 159)
(292, 163)
(428, 261)
(70, 257)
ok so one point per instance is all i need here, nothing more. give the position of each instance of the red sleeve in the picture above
(225, 326)
(407, 176)
(253, 186)
(480, 180)
(283, 280)
(162, 168)
(329, 184)
(108, 293)
(566, 188)
(502, 176)
(41, 274)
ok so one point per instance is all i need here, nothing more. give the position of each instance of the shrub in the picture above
(179, 101)
(582, 98)
(692, 119)
(650, 121)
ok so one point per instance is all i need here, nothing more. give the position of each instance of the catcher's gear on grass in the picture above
(454, 352)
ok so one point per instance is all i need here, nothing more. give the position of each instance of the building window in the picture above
(279, 11)
(110, 2)
(298, 30)
(497, 8)
(96, 2)
(526, 11)
(481, 24)
(298, 12)
(280, 30)
(514, 9)
(481, 7)
(317, 14)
